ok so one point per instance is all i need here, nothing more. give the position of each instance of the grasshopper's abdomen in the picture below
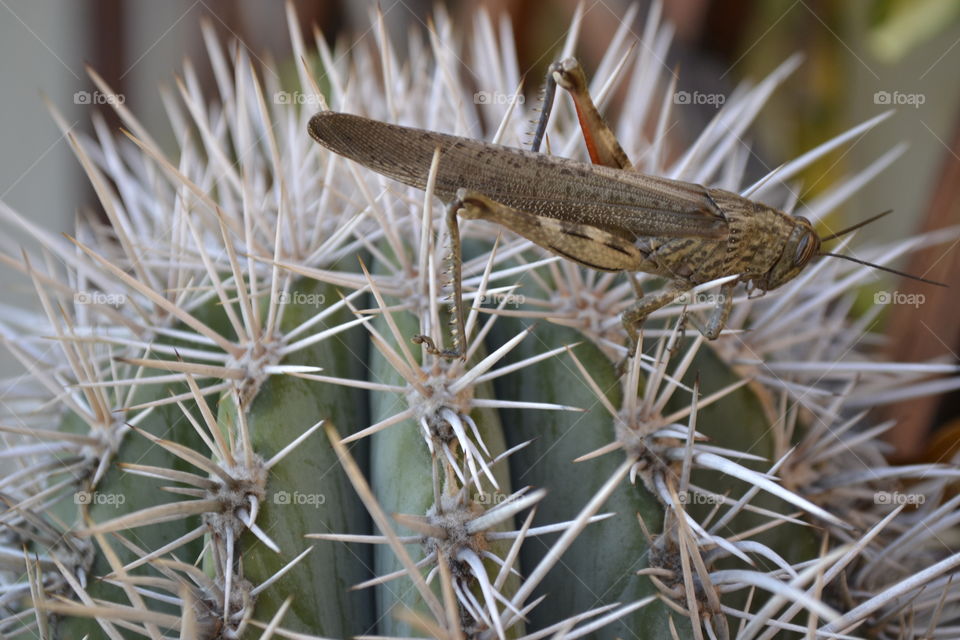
(690, 259)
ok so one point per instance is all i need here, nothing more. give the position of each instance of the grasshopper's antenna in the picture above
(856, 226)
(887, 269)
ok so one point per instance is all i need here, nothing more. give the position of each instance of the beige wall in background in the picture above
(39, 54)
(44, 45)
(930, 70)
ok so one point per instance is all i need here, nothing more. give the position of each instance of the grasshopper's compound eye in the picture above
(809, 244)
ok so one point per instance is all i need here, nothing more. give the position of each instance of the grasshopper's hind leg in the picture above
(601, 142)
(456, 304)
(582, 243)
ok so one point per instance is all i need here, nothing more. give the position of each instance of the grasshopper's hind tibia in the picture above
(458, 350)
(601, 141)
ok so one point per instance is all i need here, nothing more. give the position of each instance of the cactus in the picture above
(226, 432)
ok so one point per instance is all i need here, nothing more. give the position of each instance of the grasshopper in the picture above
(603, 215)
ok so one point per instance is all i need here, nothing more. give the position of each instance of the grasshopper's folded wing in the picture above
(625, 203)
(655, 206)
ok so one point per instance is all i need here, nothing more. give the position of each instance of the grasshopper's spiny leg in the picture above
(456, 303)
(601, 142)
(546, 107)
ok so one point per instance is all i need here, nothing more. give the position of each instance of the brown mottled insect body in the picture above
(535, 183)
(600, 217)
(604, 215)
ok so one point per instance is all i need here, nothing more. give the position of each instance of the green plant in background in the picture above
(225, 430)
(898, 26)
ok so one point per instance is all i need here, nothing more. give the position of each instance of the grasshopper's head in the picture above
(801, 246)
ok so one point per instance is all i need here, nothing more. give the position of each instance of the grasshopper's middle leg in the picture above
(634, 317)
(718, 315)
(601, 142)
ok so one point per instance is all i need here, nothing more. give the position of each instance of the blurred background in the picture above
(860, 59)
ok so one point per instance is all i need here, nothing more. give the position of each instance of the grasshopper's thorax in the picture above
(763, 246)
(798, 243)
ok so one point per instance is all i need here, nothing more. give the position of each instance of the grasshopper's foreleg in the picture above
(601, 142)
(718, 315)
(456, 304)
